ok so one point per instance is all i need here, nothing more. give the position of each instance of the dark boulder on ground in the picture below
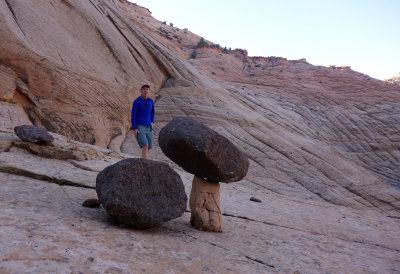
(141, 193)
(33, 134)
(202, 151)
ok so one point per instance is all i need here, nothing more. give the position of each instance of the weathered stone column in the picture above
(204, 205)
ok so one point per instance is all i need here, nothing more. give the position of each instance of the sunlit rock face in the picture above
(323, 145)
(394, 80)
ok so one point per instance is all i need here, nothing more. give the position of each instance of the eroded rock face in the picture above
(141, 193)
(7, 84)
(33, 134)
(12, 115)
(202, 151)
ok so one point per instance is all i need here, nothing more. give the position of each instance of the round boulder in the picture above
(202, 151)
(33, 134)
(141, 193)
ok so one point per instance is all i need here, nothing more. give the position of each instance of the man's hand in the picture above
(136, 132)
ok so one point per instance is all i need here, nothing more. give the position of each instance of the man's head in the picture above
(145, 91)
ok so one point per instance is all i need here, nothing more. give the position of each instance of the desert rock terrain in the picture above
(394, 80)
(323, 145)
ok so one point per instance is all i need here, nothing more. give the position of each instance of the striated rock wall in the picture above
(81, 65)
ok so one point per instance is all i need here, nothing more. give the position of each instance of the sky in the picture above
(363, 34)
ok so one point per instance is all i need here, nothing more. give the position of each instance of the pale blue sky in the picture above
(363, 34)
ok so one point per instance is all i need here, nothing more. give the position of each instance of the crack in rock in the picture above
(260, 261)
(25, 173)
(315, 233)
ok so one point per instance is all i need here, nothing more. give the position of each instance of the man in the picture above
(142, 119)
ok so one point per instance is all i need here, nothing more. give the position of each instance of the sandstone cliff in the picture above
(323, 143)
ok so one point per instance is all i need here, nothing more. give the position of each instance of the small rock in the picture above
(91, 203)
(255, 200)
(201, 151)
(33, 134)
(141, 193)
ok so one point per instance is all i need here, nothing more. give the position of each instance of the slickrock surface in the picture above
(282, 234)
(323, 144)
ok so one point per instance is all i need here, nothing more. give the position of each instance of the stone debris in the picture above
(33, 134)
(91, 203)
(255, 200)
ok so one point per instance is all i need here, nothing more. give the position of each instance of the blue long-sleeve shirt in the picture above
(142, 112)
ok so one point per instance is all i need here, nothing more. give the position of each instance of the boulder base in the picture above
(202, 151)
(205, 205)
(141, 193)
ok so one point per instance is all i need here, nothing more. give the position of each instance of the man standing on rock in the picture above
(142, 118)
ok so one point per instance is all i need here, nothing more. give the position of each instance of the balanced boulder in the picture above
(211, 158)
(141, 193)
(201, 151)
(33, 134)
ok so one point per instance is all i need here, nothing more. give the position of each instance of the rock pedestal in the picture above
(204, 205)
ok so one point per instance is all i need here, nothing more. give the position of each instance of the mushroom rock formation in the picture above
(33, 134)
(211, 158)
(141, 193)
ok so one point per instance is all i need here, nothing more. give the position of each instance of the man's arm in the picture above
(133, 117)
(152, 113)
(133, 114)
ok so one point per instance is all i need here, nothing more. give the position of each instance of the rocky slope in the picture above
(394, 80)
(323, 143)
